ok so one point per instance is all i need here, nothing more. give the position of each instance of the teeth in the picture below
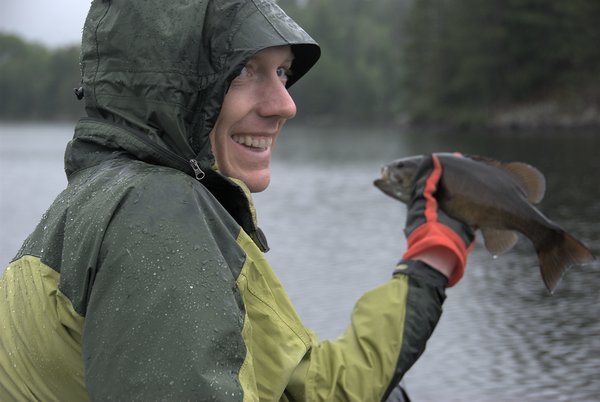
(254, 142)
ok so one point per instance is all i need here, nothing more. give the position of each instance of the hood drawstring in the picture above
(78, 93)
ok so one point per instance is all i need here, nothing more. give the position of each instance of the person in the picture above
(147, 278)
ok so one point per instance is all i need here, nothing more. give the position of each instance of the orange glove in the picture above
(427, 226)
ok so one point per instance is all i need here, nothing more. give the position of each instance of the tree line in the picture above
(383, 61)
(457, 61)
(36, 83)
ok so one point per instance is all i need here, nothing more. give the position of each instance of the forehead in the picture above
(276, 54)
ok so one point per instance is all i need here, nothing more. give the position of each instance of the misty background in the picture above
(467, 63)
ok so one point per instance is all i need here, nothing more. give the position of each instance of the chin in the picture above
(256, 185)
(258, 188)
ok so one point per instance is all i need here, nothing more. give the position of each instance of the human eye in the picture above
(284, 73)
(245, 72)
(244, 75)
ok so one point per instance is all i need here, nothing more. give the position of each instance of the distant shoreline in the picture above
(534, 117)
(540, 117)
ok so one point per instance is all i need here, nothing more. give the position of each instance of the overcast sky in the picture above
(51, 22)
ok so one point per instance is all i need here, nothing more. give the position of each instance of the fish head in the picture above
(398, 177)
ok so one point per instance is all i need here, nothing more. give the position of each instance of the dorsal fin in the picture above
(531, 180)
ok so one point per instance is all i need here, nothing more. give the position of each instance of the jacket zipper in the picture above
(173, 157)
(197, 171)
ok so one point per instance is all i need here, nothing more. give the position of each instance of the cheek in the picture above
(235, 107)
(218, 143)
(238, 103)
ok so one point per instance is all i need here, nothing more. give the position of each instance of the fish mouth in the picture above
(387, 175)
(260, 143)
(385, 172)
(387, 184)
(390, 184)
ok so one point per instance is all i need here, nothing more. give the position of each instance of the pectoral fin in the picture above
(499, 241)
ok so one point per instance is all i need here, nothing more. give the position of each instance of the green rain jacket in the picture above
(146, 279)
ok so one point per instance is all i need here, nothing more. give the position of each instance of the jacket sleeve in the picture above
(163, 321)
(389, 328)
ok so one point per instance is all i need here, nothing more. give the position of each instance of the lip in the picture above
(255, 142)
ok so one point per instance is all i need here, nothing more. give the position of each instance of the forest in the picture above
(455, 62)
(36, 83)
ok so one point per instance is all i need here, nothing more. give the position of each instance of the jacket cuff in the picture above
(438, 235)
(421, 271)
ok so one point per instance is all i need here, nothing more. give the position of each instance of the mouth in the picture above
(392, 184)
(254, 142)
(385, 174)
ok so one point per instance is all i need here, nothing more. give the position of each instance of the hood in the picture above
(154, 76)
(161, 68)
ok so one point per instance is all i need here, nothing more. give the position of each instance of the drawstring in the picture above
(78, 93)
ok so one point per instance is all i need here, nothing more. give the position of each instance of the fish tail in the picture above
(560, 256)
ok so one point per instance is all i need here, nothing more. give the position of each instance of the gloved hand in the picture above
(427, 226)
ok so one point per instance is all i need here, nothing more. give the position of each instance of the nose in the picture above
(276, 101)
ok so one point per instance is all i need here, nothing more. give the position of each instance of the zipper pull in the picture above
(197, 171)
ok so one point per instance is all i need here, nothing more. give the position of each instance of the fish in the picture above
(498, 199)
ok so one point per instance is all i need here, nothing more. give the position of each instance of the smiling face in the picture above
(254, 110)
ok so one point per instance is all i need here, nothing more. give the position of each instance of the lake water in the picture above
(333, 236)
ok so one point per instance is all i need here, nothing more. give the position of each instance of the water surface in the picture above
(333, 236)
